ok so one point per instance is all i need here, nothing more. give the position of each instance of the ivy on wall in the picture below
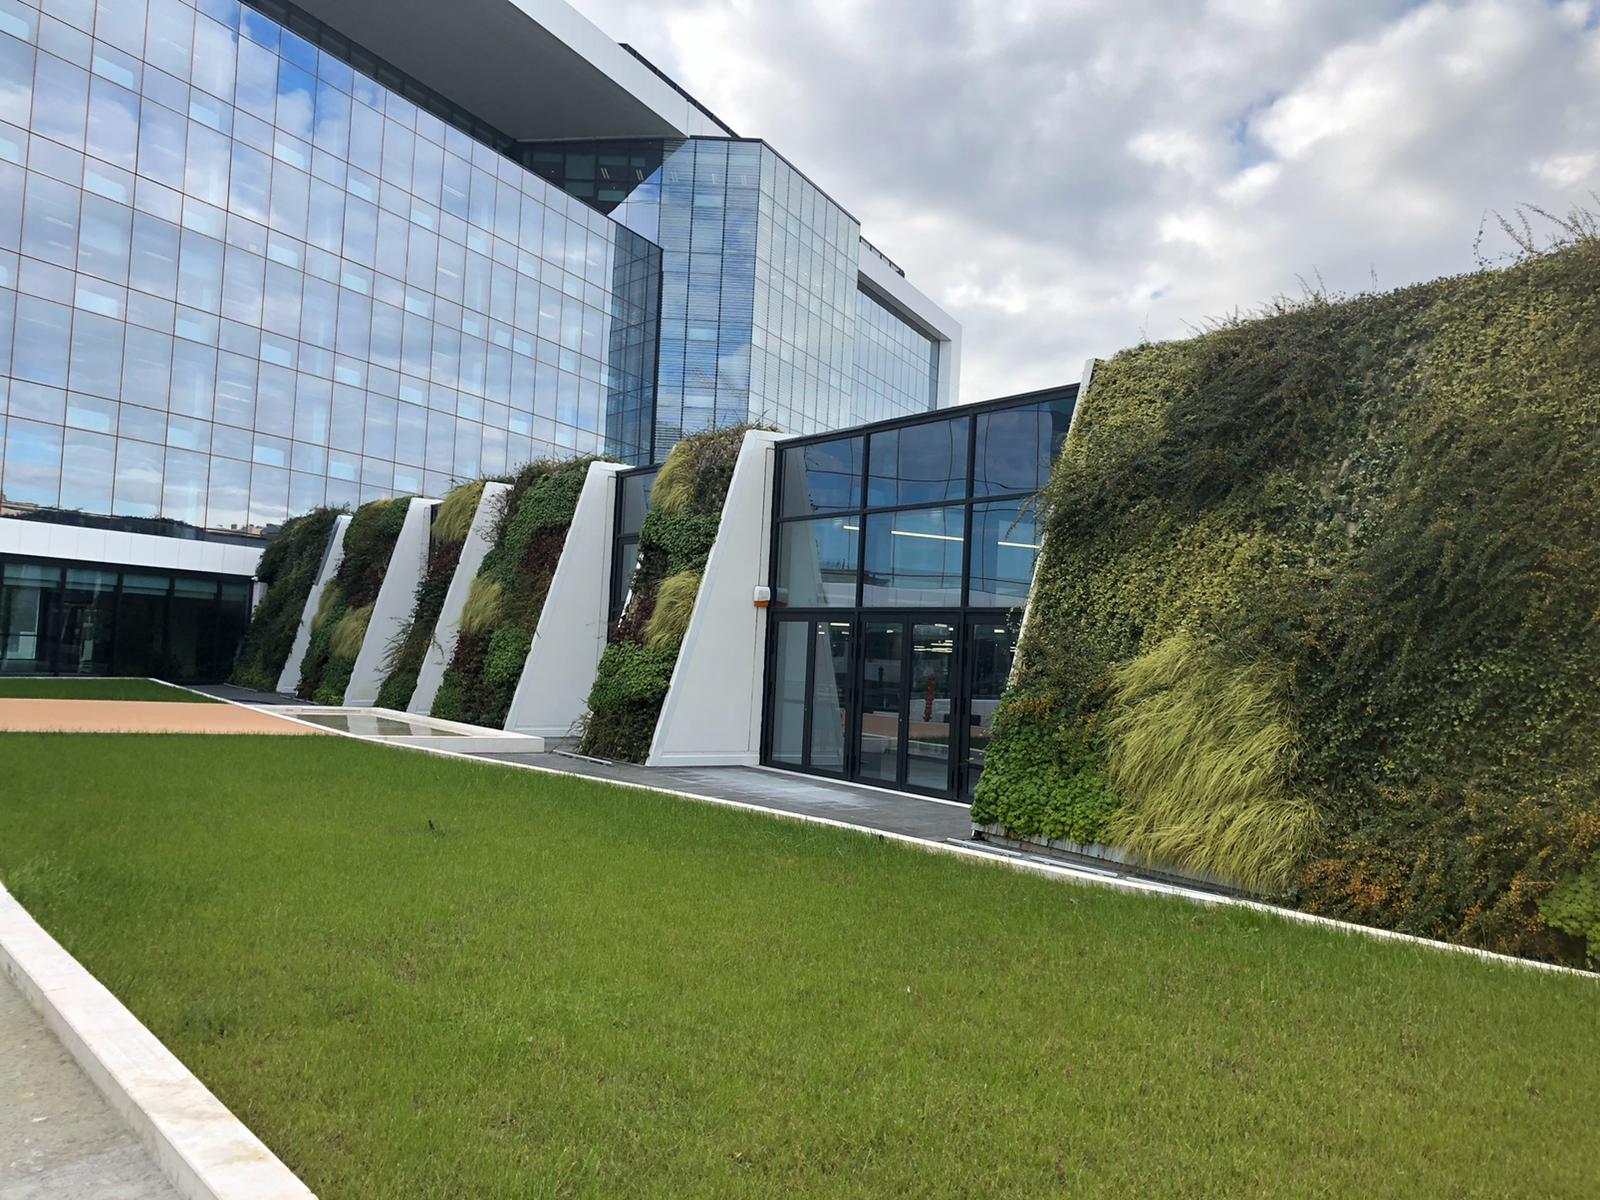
(345, 606)
(1377, 521)
(452, 521)
(288, 567)
(674, 542)
(509, 591)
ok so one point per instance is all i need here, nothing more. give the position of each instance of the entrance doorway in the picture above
(902, 699)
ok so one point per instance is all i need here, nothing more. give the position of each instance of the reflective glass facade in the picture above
(762, 316)
(897, 366)
(239, 279)
(902, 556)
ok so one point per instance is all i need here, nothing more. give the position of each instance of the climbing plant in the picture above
(1367, 533)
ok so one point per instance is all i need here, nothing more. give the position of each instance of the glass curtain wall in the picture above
(86, 620)
(897, 365)
(240, 279)
(902, 556)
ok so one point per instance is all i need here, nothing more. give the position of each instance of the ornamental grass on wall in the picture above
(288, 567)
(509, 591)
(345, 606)
(1319, 610)
(452, 521)
(674, 542)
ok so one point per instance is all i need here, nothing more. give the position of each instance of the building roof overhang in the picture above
(536, 70)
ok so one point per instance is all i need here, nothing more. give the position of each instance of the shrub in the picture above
(508, 593)
(1391, 504)
(1573, 906)
(1040, 776)
(684, 537)
(288, 567)
(669, 620)
(502, 663)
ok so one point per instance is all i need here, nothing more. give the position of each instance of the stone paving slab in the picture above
(59, 1139)
(138, 716)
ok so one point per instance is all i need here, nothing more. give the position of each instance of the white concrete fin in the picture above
(289, 678)
(391, 611)
(443, 645)
(553, 691)
(712, 714)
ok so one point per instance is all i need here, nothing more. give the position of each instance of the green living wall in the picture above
(289, 568)
(674, 543)
(452, 521)
(345, 606)
(508, 592)
(1319, 611)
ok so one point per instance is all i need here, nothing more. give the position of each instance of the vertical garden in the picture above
(1319, 611)
(289, 569)
(345, 607)
(452, 521)
(674, 543)
(508, 593)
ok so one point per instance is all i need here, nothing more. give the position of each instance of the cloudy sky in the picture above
(1068, 177)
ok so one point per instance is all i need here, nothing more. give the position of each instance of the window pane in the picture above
(817, 562)
(50, 221)
(33, 463)
(1005, 546)
(60, 100)
(830, 694)
(138, 482)
(87, 486)
(789, 692)
(42, 340)
(88, 614)
(1016, 447)
(822, 478)
(920, 463)
(914, 557)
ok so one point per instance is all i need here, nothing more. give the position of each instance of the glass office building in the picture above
(239, 279)
(250, 266)
(763, 317)
(902, 556)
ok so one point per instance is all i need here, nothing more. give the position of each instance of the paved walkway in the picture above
(782, 791)
(59, 1139)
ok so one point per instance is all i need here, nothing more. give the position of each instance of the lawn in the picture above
(419, 977)
(72, 688)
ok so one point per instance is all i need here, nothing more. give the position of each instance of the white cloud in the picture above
(1068, 176)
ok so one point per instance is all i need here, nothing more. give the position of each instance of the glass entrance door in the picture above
(931, 701)
(907, 702)
(900, 701)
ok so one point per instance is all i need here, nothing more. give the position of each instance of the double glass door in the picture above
(897, 700)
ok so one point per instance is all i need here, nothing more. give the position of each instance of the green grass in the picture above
(72, 688)
(568, 989)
